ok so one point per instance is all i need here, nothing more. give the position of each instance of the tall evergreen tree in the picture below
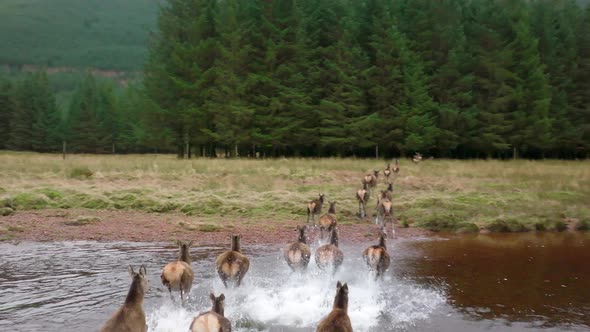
(181, 70)
(33, 122)
(85, 118)
(7, 108)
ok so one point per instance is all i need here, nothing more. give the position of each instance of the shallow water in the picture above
(513, 282)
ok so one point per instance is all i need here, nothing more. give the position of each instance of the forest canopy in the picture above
(449, 78)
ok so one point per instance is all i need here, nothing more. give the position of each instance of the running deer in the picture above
(314, 207)
(297, 254)
(371, 179)
(385, 213)
(329, 255)
(213, 320)
(362, 196)
(337, 320)
(130, 317)
(328, 221)
(377, 258)
(387, 172)
(386, 194)
(179, 275)
(232, 265)
(417, 158)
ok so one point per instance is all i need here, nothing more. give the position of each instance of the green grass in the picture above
(461, 196)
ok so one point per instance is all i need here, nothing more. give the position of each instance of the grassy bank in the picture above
(452, 195)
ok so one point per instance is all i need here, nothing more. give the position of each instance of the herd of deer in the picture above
(232, 266)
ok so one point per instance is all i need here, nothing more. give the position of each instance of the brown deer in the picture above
(386, 194)
(387, 172)
(371, 179)
(417, 158)
(362, 196)
(377, 258)
(315, 207)
(328, 221)
(337, 320)
(213, 320)
(396, 166)
(329, 255)
(232, 265)
(130, 317)
(385, 213)
(179, 275)
(297, 254)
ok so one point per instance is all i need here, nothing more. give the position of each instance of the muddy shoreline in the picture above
(107, 225)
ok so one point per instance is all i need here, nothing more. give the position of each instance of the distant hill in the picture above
(103, 34)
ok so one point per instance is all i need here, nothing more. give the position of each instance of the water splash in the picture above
(273, 297)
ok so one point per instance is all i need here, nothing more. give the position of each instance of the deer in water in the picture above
(371, 179)
(337, 320)
(232, 265)
(329, 255)
(328, 221)
(377, 258)
(315, 207)
(130, 317)
(179, 275)
(417, 157)
(297, 254)
(213, 320)
(362, 196)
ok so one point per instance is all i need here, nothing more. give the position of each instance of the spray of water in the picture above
(272, 298)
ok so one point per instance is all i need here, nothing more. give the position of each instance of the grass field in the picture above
(435, 194)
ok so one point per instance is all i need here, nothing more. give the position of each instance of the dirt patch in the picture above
(51, 225)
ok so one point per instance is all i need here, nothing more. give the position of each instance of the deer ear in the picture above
(142, 271)
(345, 288)
(190, 243)
(221, 297)
(212, 296)
(131, 272)
(338, 285)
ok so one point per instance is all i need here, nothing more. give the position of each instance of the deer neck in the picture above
(301, 238)
(217, 308)
(136, 293)
(332, 209)
(235, 244)
(382, 242)
(334, 238)
(341, 302)
(184, 256)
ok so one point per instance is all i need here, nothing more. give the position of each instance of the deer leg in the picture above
(360, 212)
(170, 291)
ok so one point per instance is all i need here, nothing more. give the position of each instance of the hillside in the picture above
(104, 34)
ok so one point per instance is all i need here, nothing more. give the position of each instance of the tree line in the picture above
(449, 78)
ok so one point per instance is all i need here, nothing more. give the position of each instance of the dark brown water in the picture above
(540, 278)
(511, 282)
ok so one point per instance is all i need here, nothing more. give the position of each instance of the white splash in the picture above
(272, 296)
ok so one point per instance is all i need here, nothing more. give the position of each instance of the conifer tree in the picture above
(7, 108)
